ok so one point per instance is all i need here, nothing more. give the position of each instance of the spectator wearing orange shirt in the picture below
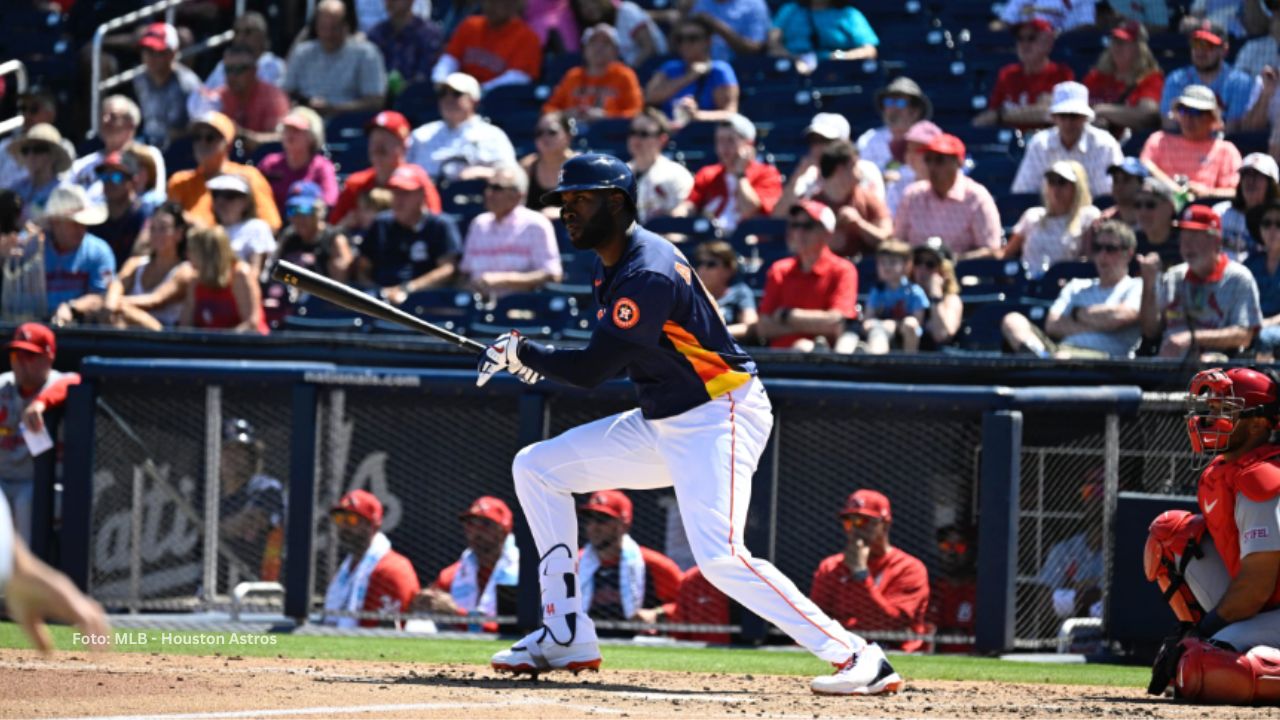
(496, 48)
(213, 134)
(602, 86)
(871, 585)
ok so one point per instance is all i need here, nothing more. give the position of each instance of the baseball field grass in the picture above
(621, 657)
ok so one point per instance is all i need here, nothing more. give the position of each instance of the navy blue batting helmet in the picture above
(593, 171)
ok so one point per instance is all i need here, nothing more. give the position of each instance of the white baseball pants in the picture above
(708, 454)
(1208, 579)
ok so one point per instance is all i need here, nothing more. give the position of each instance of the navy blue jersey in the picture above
(658, 323)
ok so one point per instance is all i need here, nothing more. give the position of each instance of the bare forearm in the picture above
(1141, 116)
(1229, 338)
(817, 322)
(530, 280)
(1148, 313)
(1107, 317)
(432, 278)
(663, 88)
(1256, 118)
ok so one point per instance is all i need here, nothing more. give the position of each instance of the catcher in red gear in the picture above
(1220, 570)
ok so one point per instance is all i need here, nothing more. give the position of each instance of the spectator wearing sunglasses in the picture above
(484, 581)
(871, 585)
(409, 248)
(716, 263)
(1236, 92)
(43, 156)
(213, 134)
(251, 32)
(1023, 90)
(948, 204)
(125, 215)
(1091, 318)
(1126, 84)
(1259, 185)
(552, 140)
(1072, 137)
(1264, 265)
(372, 577)
(1052, 232)
(933, 268)
(461, 145)
(693, 87)
(661, 183)
(953, 589)
(256, 107)
(510, 247)
(388, 133)
(117, 129)
(901, 105)
(36, 106)
(1210, 164)
(1156, 206)
(602, 86)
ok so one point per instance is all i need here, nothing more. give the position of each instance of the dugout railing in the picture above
(141, 523)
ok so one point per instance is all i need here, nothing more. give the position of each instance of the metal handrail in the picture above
(97, 85)
(15, 67)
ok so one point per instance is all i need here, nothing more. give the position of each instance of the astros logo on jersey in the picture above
(626, 313)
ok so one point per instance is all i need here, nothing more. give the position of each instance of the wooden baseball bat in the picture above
(352, 299)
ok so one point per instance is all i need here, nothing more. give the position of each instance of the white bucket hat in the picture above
(71, 202)
(1071, 98)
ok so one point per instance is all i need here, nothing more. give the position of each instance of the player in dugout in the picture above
(702, 424)
(1219, 569)
(372, 577)
(483, 580)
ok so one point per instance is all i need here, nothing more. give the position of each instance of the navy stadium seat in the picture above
(312, 313)
(607, 135)
(462, 197)
(1049, 285)
(578, 269)
(833, 72)
(180, 155)
(450, 309)
(981, 330)
(989, 279)
(264, 150)
(417, 102)
(535, 315)
(347, 142)
(695, 228)
(1011, 206)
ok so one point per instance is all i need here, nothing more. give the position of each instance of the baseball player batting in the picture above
(703, 420)
(1219, 570)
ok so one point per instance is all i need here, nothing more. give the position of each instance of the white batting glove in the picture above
(504, 354)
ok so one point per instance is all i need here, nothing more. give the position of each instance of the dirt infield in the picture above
(154, 685)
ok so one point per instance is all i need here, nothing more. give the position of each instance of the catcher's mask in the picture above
(1218, 399)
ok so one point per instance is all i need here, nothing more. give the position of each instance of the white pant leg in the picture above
(712, 452)
(21, 496)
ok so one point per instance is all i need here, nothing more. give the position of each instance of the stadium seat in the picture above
(1011, 206)
(579, 269)
(695, 228)
(506, 99)
(535, 315)
(981, 330)
(759, 242)
(463, 197)
(1254, 141)
(264, 150)
(1051, 283)
(607, 135)
(313, 313)
(989, 279)
(346, 140)
(417, 102)
(754, 70)
(833, 72)
(180, 155)
(451, 309)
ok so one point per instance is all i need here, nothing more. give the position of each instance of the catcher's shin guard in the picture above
(1174, 540)
(1208, 673)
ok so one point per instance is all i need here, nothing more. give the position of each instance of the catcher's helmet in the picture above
(593, 171)
(1218, 398)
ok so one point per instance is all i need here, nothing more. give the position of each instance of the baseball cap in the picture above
(363, 503)
(408, 177)
(490, 508)
(820, 213)
(946, 144)
(600, 28)
(464, 84)
(216, 120)
(1129, 30)
(1208, 31)
(613, 503)
(744, 128)
(1162, 190)
(1064, 170)
(1038, 24)
(160, 37)
(1070, 98)
(922, 132)
(228, 183)
(1263, 164)
(392, 122)
(869, 503)
(1200, 217)
(35, 338)
(1131, 166)
(118, 161)
(1198, 97)
(830, 126)
(304, 194)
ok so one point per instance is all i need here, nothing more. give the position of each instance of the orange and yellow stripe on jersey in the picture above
(716, 374)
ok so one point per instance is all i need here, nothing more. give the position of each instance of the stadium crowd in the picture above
(1103, 191)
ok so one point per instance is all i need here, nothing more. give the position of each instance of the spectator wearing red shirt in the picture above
(1126, 83)
(698, 602)
(1020, 98)
(491, 561)
(812, 294)
(496, 48)
(256, 107)
(372, 576)
(872, 586)
(616, 574)
(953, 591)
(388, 132)
(738, 187)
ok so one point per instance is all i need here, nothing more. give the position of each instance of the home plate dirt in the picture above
(82, 685)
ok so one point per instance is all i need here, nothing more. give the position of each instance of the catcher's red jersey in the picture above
(1255, 475)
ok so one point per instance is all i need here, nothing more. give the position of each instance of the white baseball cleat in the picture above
(867, 672)
(538, 653)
